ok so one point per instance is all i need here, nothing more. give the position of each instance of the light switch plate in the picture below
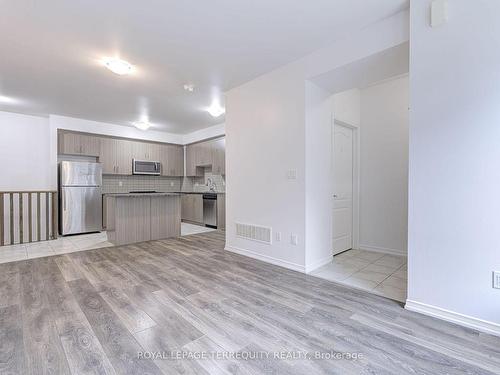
(439, 12)
(120, 183)
(294, 239)
(496, 279)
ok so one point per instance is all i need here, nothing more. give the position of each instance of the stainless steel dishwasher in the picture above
(210, 210)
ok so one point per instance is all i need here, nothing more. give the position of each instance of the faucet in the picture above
(211, 184)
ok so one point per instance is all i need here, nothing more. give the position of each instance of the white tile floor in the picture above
(187, 229)
(70, 244)
(376, 272)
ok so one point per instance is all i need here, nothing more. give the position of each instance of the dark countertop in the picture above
(166, 193)
(141, 194)
(201, 192)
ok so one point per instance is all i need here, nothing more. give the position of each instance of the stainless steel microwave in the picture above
(146, 167)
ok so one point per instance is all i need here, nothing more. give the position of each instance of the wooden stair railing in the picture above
(28, 216)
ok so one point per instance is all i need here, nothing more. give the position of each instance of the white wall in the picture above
(24, 152)
(347, 107)
(383, 213)
(319, 182)
(454, 200)
(264, 139)
(266, 135)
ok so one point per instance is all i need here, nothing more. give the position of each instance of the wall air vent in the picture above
(254, 232)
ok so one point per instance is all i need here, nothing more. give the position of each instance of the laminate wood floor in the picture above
(138, 309)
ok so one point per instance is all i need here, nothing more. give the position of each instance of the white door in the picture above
(342, 188)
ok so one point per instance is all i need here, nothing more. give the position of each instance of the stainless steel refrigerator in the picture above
(80, 197)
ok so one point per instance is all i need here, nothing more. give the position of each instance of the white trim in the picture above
(266, 258)
(356, 134)
(311, 267)
(453, 317)
(384, 250)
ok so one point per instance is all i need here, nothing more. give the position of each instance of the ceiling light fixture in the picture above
(142, 125)
(120, 67)
(215, 109)
(189, 88)
(7, 100)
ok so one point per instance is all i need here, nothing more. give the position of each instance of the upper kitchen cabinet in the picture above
(206, 154)
(172, 160)
(116, 156)
(146, 151)
(219, 156)
(70, 143)
(192, 152)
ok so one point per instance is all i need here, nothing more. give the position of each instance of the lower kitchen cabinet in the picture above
(192, 208)
(221, 211)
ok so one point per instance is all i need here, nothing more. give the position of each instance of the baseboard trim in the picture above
(384, 250)
(266, 258)
(318, 264)
(453, 317)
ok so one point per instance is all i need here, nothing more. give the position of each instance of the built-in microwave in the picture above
(146, 167)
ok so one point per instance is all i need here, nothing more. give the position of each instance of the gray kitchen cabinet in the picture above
(191, 161)
(192, 208)
(146, 151)
(219, 156)
(172, 160)
(141, 150)
(221, 211)
(206, 154)
(70, 143)
(116, 156)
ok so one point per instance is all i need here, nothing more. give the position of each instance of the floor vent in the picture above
(254, 232)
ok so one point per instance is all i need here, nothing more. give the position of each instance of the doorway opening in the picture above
(369, 162)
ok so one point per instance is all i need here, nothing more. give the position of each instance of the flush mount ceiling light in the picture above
(142, 125)
(189, 87)
(215, 109)
(7, 100)
(117, 66)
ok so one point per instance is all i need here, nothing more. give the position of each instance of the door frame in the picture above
(355, 175)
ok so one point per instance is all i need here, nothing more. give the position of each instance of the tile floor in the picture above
(187, 228)
(70, 244)
(376, 272)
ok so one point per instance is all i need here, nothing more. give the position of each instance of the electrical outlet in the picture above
(496, 279)
(277, 236)
(120, 183)
(294, 239)
(171, 183)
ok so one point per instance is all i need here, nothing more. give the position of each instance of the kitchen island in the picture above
(137, 217)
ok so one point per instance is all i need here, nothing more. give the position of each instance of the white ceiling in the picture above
(50, 52)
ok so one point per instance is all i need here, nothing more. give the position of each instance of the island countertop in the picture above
(141, 194)
(138, 217)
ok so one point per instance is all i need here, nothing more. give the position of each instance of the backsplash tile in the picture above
(111, 184)
(199, 184)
